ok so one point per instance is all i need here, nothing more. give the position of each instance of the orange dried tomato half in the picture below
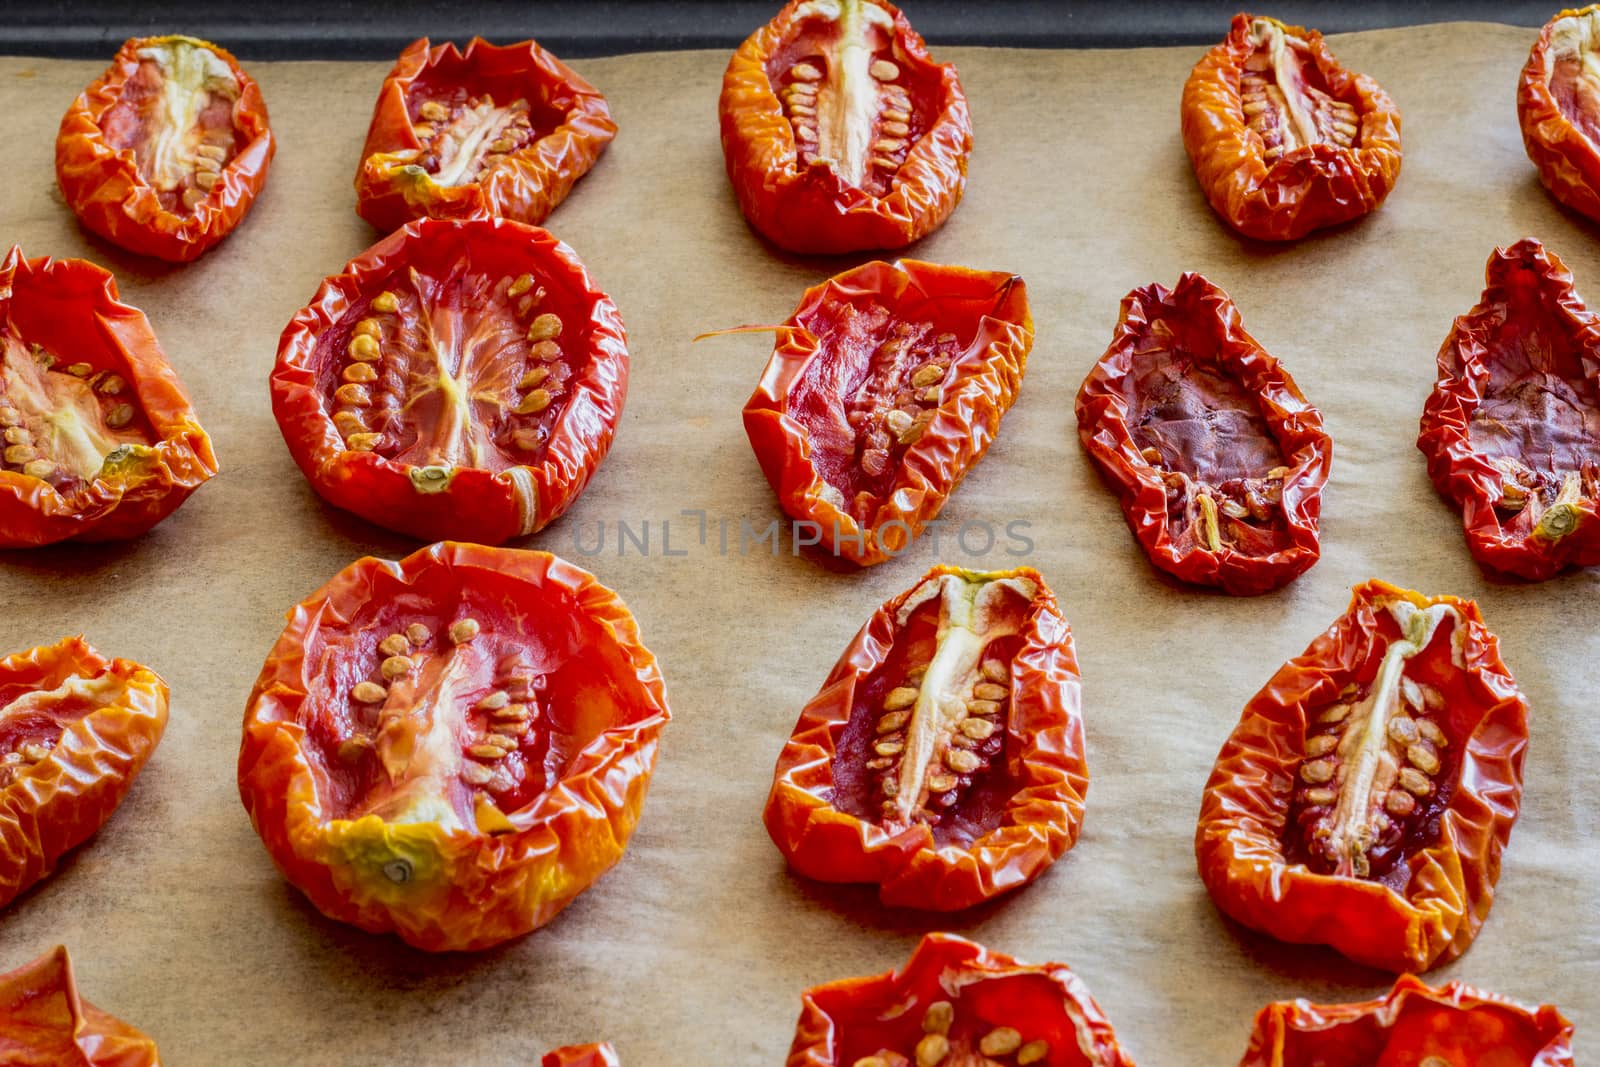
(886, 387)
(943, 758)
(1558, 107)
(1512, 427)
(490, 131)
(1413, 1024)
(840, 132)
(956, 1003)
(457, 379)
(454, 746)
(165, 153)
(1366, 795)
(100, 440)
(44, 1023)
(1217, 457)
(75, 731)
(1282, 138)
(601, 1055)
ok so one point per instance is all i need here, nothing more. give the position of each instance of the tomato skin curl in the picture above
(1413, 1023)
(601, 1055)
(462, 889)
(812, 208)
(524, 185)
(1523, 283)
(1209, 322)
(1446, 886)
(71, 305)
(105, 190)
(1567, 160)
(1044, 757)
(845, 1020)
(45, 1023)
(990, 306)
(1308, 188)
(477, 504)
(62, 800)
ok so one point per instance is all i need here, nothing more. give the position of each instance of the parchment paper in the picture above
(696, 947)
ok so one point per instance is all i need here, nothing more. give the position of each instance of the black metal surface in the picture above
(362, 29)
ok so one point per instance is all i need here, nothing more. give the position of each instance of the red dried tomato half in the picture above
(602, 1055)
(1365, 797)
(166, 151)
(886, 387)
(100, 440)
(943, 758)
(1512, 427)
(1558, 107)
(1282, 138)
(75, 731)
(454, 746)
(956, 1003)
(490, 131)
(44, 1023)
(1413, 1024)
(457, 379)
(840, 132)
(1218, 458)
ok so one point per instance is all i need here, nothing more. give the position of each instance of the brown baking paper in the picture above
(696, 947)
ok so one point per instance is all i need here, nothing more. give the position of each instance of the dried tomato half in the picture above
(490, 131)
(1512, 427)
(1364, 798)
(602, 1055)
(1282, 138)
(458, 379)
(1413, 1025)
(840, 132)
(943, 757)
(1558, 107)
(100, 440)
(956, 1003)
(44, 1023)
(75, 731)
(454, 746)
(165, 153)
(886, 387)
(1218, 458)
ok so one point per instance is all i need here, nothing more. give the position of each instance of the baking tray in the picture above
(696, 947)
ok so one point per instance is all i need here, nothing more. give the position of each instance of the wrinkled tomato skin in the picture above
(104, 188)
(1207, 319)
(1307, 189)
(464, 889)
(1410, 1025)
(601, 1055)
(1528, 292)
(812, 209)
(72, 306)
(852, 1018)
(1447, 885)
(1044, 758)
(45, 1023)
(1567, 160)
(478, 504)
(987, 310)
(525, 185)
(98, 745)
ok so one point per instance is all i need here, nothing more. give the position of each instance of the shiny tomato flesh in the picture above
(175, 115)
(451, 367)
(926, 735)
(61, 418)
(467, 119)
(1285, 97)
(854, 104)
